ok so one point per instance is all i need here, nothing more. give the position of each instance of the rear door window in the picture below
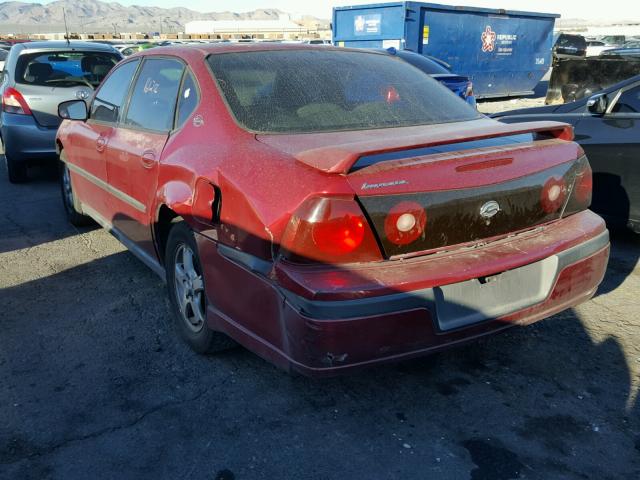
(153, 100)
(109, 99)
(65, 69)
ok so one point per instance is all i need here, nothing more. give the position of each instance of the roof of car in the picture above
(63, 45)
(228, 47)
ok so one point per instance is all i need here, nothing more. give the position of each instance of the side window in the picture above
(188, 100)
(153, 101)
(629, 102)
(110, 97)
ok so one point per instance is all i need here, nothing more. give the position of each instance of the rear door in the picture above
(137, 144)
(612, 143)
(89, 141)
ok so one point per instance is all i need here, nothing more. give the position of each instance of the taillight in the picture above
(554, 195)
(583, 186)
(405, 223)
(565, 133)
(581, 181)
(14, 102)
(330, 230)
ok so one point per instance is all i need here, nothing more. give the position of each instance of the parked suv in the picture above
(36, 78)
(329, 208)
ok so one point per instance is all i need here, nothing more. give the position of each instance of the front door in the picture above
(136, 147)
(88, 159)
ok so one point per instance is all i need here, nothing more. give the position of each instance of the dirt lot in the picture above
(489, 106)
(501, 105)
(94, 383)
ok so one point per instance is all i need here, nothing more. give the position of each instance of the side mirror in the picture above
(73, 110)
(598, 104)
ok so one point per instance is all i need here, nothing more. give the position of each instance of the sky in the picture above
(586, 9)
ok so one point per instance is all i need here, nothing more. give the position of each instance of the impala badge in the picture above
(489, 209)
(82, 95)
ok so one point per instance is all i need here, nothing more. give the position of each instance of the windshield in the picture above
(327, 90)
(65, 69)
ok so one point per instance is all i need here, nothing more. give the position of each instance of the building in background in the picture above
(282, 29)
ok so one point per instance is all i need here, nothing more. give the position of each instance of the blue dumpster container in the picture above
(504, 52)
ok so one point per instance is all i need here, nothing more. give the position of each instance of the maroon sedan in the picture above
(330, 208)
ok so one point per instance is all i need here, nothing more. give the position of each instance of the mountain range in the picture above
(98, 16)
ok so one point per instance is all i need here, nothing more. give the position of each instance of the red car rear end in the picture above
(348, 210)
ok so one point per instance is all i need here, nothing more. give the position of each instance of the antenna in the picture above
(66, 28)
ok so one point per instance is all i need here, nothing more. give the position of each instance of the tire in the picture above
(185, 284)
(17, 171)
(71, 203)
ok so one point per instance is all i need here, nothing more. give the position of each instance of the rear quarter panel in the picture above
(260, 186)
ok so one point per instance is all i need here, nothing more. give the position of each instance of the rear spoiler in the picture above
(340, 158)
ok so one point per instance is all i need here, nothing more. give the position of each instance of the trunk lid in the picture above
(476, 198)
(476, 181)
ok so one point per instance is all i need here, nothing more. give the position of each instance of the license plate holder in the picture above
(473, 301)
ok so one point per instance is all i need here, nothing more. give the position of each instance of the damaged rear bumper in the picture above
(330, 320)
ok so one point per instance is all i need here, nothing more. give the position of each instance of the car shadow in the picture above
(611, 200)
(625, 255)
(94, 372)
(32, 212)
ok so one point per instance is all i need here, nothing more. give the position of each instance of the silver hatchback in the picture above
(37, 77)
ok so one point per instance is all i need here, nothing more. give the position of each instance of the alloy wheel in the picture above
(66, 188)
(189, 288)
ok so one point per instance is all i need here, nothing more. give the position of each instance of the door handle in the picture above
(101, 143)
(148, 159)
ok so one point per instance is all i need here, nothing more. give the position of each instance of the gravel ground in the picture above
(501, 105)
(490, 106)
(94, 383)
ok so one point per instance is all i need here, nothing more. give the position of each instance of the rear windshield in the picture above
(327, 90)
(575, 41)
(65, 69)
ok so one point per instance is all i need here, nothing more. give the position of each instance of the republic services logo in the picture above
(488, 39)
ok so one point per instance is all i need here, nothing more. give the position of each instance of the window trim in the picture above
(146, 58)
(127, 94)
(176, 127)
